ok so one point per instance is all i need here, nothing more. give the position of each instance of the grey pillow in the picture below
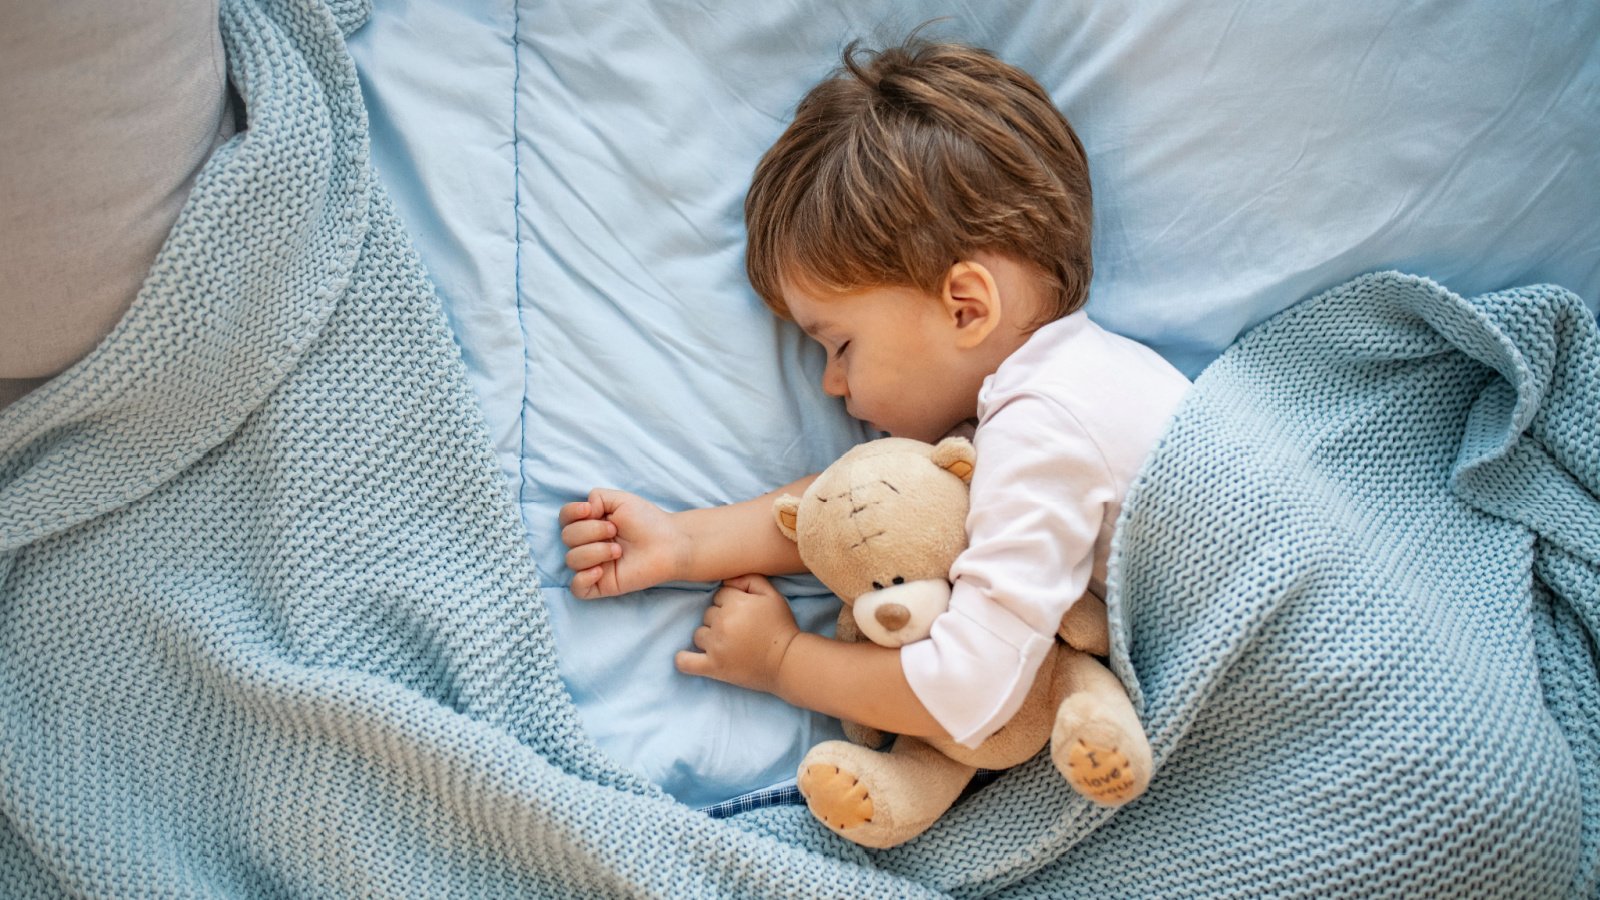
(107, 112)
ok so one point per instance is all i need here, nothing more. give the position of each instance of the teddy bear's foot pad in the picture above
(1101, 773)
(835, 796)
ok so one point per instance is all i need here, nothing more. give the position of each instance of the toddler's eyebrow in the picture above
(810, 328)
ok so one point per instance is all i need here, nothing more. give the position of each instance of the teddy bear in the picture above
(880, 527)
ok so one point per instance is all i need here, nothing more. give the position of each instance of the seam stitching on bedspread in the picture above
(516, 225)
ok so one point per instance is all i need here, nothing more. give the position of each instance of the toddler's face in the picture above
(890, 357)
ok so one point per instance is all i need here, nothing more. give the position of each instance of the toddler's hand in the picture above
(747, 630)
(618, 543)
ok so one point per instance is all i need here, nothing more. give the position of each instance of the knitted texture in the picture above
(268, 626)
(1353, 684)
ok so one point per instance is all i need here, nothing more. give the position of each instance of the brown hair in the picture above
(911, 158)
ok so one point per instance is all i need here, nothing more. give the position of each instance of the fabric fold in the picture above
(202, 346)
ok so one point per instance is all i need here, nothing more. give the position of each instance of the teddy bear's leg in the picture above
(880, 799)
(1098, 744)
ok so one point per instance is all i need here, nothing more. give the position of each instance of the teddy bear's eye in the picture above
(877, 586)
(899, 580)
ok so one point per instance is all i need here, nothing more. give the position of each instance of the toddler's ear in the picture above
(973, 301)
(786, 509)
(957, 456)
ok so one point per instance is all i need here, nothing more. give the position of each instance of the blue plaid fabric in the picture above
(785, 794)
(788, 794)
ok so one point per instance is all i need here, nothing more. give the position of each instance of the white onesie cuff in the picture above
(975, 668)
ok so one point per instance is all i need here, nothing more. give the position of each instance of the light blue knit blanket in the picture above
(268, 625)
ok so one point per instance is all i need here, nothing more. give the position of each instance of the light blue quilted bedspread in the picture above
(268, 626)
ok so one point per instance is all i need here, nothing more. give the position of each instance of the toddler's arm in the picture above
(618, 542)
(750, 639)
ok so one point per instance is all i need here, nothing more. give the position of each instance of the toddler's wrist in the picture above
(787, 677)
(682, 564)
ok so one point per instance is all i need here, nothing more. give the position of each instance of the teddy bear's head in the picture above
(881, 528)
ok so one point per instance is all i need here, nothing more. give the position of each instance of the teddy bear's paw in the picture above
(1100, 772)
(835, 796)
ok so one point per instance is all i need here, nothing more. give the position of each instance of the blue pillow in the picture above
(573, 173)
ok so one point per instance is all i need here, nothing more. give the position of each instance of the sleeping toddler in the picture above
(926, 219)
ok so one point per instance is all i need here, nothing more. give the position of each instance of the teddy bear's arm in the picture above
(847, 630)
(1084, 626)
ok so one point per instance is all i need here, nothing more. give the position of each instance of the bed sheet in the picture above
(573, 175)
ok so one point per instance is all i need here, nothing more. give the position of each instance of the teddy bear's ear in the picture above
(956, 456)
(786, 509)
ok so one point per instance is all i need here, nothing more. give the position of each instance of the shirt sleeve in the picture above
(1040, 492)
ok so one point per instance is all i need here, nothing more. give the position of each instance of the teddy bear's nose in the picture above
(892, 616)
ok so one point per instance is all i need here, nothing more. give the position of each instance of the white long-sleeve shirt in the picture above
(1063, 426)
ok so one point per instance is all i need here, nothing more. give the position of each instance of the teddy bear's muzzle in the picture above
(902, 613)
